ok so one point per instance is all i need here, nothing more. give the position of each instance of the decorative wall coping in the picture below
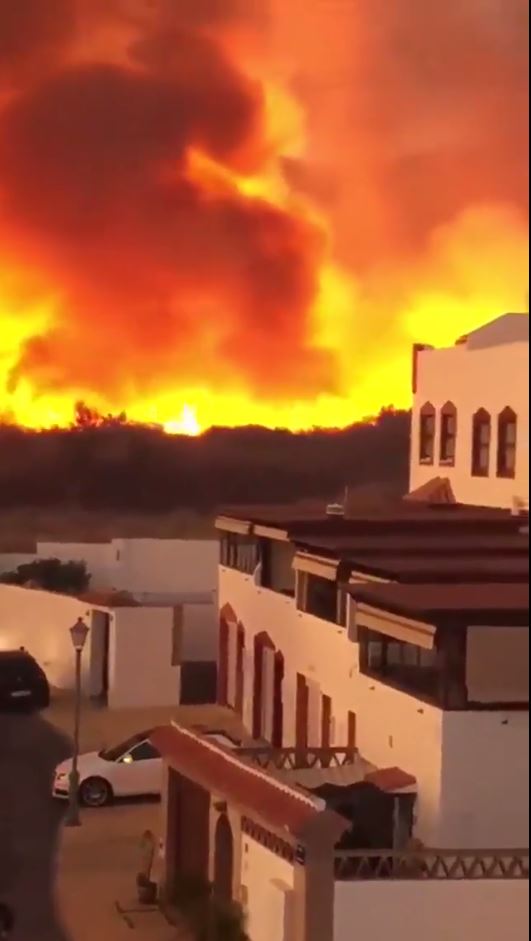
(294, 759)
(353, 865)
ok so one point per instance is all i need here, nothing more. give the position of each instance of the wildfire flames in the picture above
(245, 211)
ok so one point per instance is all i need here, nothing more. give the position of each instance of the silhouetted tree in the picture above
(68, 578)
(109, 463)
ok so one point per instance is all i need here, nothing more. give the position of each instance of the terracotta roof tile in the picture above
(222, 772)
(391, 779)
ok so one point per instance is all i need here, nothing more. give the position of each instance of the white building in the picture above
(470, 420)
(379, 661)
(152, 610)
(294, 655)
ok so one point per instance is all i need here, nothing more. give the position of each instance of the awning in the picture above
(392, 780)
(271, 532)
(316, 565)
(393, 625)
(230, 525)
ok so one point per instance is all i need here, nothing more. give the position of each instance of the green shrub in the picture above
(209, 918)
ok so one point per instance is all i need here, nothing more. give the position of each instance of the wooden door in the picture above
(301, 713)
(223, 662)
(278, 707)
(352, 721)
(326, 721)
(240, 666)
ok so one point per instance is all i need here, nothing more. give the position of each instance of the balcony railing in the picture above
(431, 864)
(294, 759)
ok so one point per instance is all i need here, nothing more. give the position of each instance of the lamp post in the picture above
(78, 633)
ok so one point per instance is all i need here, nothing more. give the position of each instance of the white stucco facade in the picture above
(489, 371)
(441, 910)
(142, 669)
(40, 622)
(158, 566)
(448, 753)
(267, 886)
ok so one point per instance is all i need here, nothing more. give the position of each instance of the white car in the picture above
(131, 769)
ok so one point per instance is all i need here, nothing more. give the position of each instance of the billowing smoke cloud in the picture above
(32, 33)
(416, 115)
(418, 110)
(93, 164)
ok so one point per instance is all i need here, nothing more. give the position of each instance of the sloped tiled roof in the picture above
(222, 772)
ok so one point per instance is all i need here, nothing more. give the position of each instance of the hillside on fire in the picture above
(112, 465)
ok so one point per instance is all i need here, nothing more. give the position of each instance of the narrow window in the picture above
(507, 425)
(448, 434)
(481, 434)
(427, 434)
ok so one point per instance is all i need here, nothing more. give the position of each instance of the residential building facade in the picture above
(470, 419)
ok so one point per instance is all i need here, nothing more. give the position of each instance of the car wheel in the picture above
(95, 792)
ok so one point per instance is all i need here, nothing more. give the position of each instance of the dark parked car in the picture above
(23, 684)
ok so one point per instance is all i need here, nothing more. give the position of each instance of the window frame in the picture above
(507, 418)
(448, 435)
(134, 761)
(375, 646)
(427, 440)
(481, 419)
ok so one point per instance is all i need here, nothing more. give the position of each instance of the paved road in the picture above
(98, 866)
(29, 825)
(76, 884)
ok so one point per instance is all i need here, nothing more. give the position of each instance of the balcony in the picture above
(296, 759)
(431, 864)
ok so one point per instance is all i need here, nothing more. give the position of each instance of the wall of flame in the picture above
(229, 212)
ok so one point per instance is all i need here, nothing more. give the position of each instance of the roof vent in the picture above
(335, 509)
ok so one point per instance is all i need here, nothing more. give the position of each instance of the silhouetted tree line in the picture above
(108, 463)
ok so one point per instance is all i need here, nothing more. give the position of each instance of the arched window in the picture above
(507, 430)
(427, 434)
(448, 434)
(481, 434)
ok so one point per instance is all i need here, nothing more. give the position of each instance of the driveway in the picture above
(98, 861)
(97, 870)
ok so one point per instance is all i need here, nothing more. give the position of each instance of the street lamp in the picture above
(78, 633)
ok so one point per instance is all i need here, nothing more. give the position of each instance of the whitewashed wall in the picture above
(491, 378)
(268, 882)
(165, 565)
(200, 632)
(392, 727)
(40, 622)
(452, 755)
(445, 910)
(485, 779)
(140, 654)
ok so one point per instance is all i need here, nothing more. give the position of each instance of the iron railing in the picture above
(431, 864)
(293, 759)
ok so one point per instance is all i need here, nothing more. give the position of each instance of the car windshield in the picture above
(116, 752)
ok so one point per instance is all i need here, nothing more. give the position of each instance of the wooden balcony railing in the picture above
(292, 759)
(431, 864)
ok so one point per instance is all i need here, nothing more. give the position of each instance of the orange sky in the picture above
(221, 212)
